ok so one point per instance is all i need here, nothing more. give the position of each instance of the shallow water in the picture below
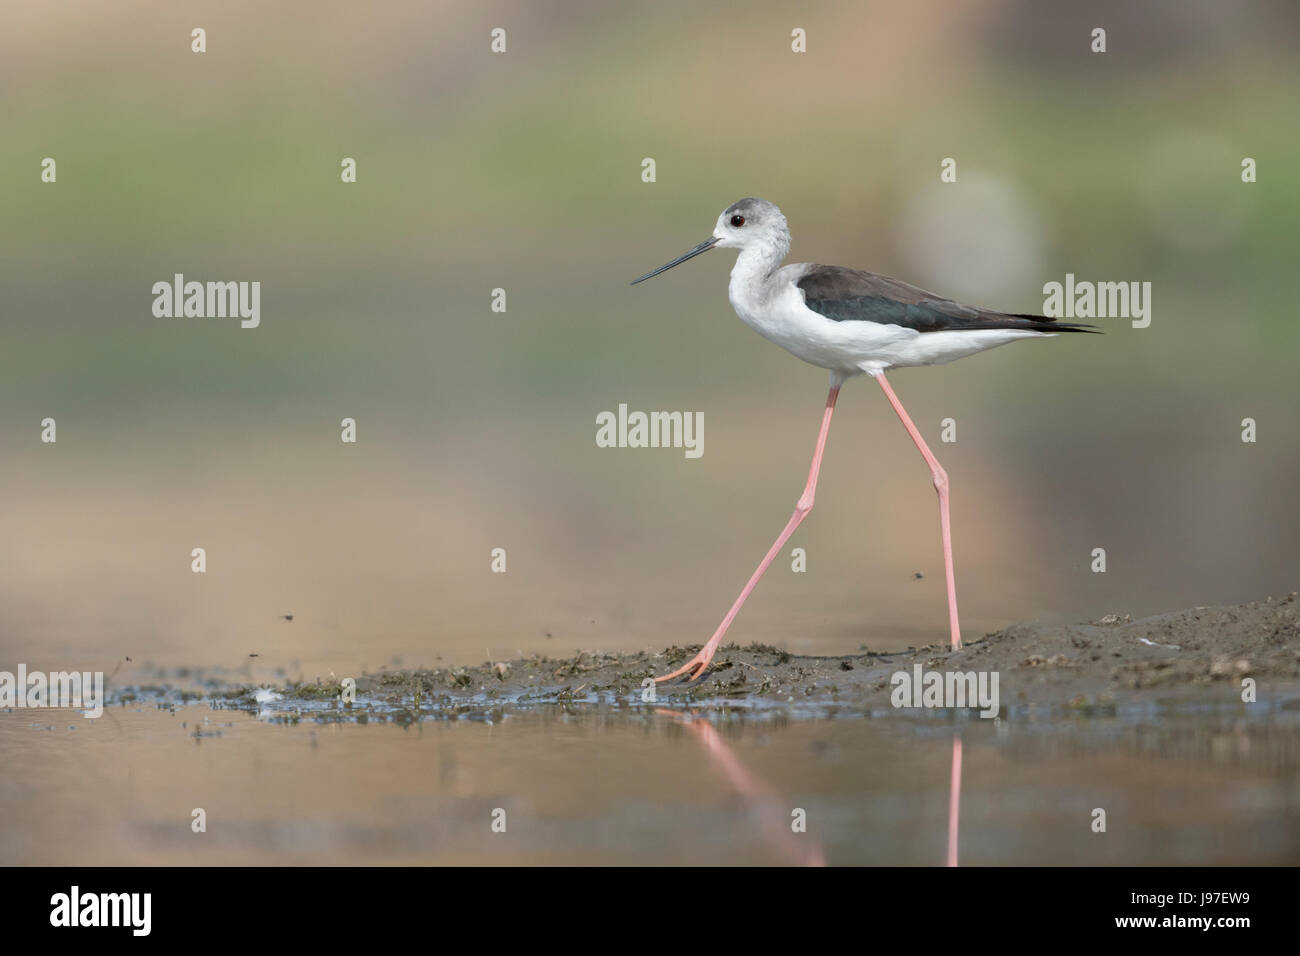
(641, 784)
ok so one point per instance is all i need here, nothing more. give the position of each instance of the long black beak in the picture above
(704, 246)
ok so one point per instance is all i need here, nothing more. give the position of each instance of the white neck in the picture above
(759, 260)
(751, 279)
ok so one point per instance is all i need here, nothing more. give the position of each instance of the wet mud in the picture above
(1202, 655)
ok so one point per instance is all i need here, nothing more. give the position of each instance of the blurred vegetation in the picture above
(522, 171)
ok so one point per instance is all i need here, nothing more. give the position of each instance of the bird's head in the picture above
(745, 224)
(751, 222)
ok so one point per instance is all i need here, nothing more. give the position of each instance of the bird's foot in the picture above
(695, 667)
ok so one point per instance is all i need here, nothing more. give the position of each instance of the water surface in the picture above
(639, 784)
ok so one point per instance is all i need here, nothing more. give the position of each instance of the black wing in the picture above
(848, 295)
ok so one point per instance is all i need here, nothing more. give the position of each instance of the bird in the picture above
(850, 323)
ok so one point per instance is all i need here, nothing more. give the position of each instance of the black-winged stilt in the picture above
(848, 322)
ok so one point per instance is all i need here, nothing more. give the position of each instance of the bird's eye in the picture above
(737, 220)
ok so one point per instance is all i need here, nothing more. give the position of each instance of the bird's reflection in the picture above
(762, 802)
(954, 802)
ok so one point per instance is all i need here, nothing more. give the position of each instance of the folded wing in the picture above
(850, 295)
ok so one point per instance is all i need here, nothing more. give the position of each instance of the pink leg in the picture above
(954, 801)
(700, 663)
(940, 485)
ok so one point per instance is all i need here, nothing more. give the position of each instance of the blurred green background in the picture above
(523, 171)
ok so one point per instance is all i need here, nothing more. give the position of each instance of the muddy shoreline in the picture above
(1200, 656)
